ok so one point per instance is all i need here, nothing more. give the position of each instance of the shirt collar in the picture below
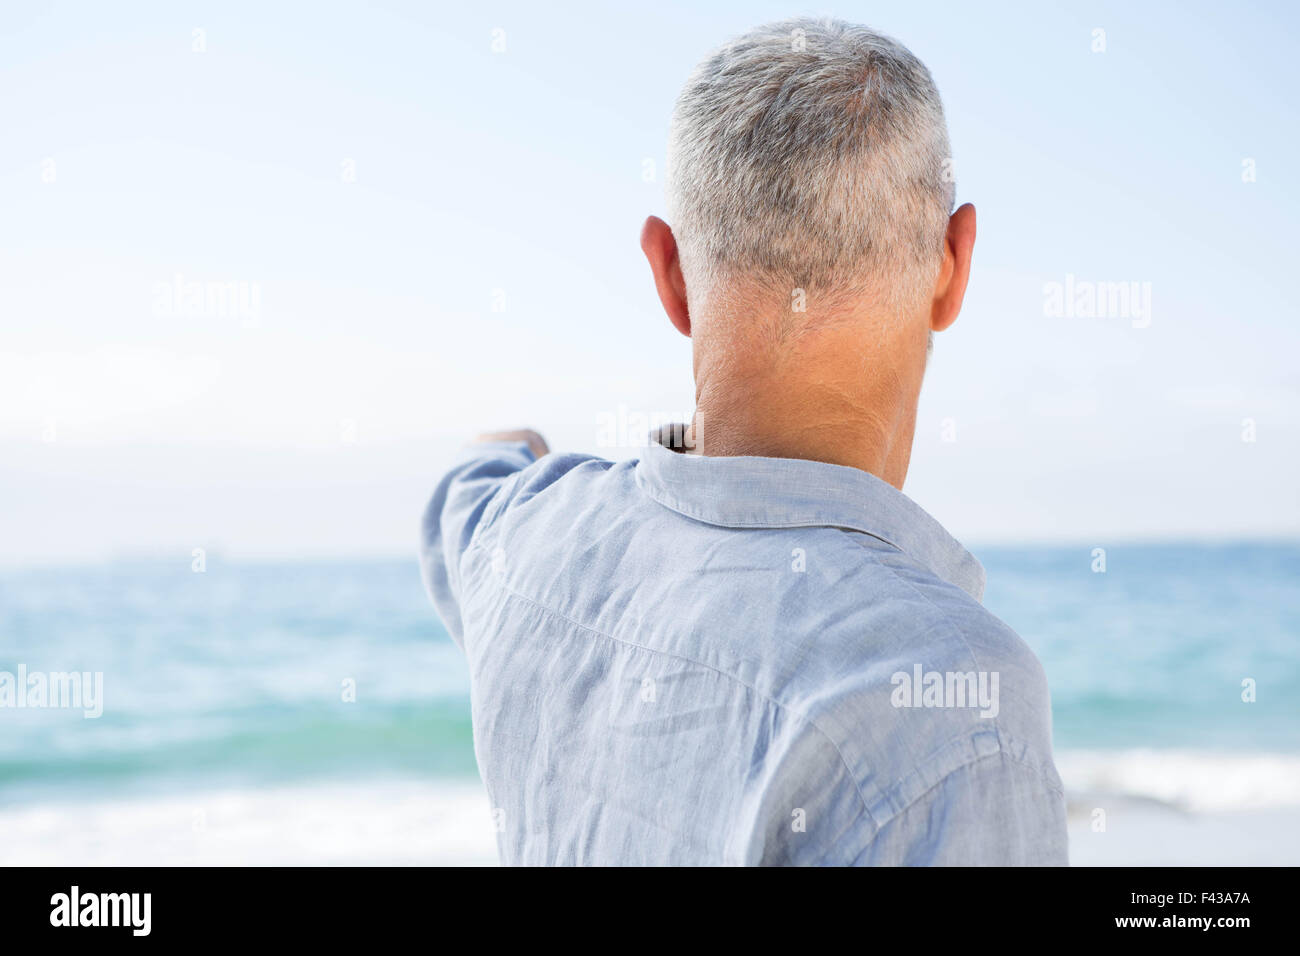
(750, 492)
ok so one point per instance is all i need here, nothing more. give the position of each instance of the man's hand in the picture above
(536, 443)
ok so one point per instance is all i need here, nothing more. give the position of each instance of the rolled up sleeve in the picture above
(462, 504)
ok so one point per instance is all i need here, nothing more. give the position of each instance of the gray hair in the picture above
(811, 154)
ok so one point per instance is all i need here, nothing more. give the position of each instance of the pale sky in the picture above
(426, 237)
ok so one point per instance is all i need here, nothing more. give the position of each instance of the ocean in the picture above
(317, 712)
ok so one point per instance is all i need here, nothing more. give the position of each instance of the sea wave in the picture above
(379, 823)
(1189, 780)
(264, 747)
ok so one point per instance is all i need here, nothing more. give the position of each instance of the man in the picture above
(754, 648)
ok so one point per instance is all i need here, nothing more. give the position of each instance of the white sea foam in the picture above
(1185, 779)
(401, 822)
(1172, 807)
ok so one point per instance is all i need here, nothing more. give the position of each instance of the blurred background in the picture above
(262, 271)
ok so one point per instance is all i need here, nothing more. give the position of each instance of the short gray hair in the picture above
(811, 154)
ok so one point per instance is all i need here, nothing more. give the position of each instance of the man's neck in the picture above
(822, 398)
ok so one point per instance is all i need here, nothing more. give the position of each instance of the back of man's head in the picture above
(810, 155)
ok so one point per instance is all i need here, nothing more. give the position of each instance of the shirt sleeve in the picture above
(995, 811)
(461, 505)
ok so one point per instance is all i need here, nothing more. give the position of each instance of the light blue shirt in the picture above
(691, 660)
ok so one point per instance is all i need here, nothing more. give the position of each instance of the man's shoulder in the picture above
(552, 477)
(871, 603)
(918, 682)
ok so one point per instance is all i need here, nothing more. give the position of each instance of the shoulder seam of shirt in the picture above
(844, 764)
(961, 633)
(1001, 752)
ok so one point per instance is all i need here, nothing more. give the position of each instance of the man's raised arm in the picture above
(460, 507)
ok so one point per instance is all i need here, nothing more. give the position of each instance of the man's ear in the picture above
(660, 248)
(950, 288)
